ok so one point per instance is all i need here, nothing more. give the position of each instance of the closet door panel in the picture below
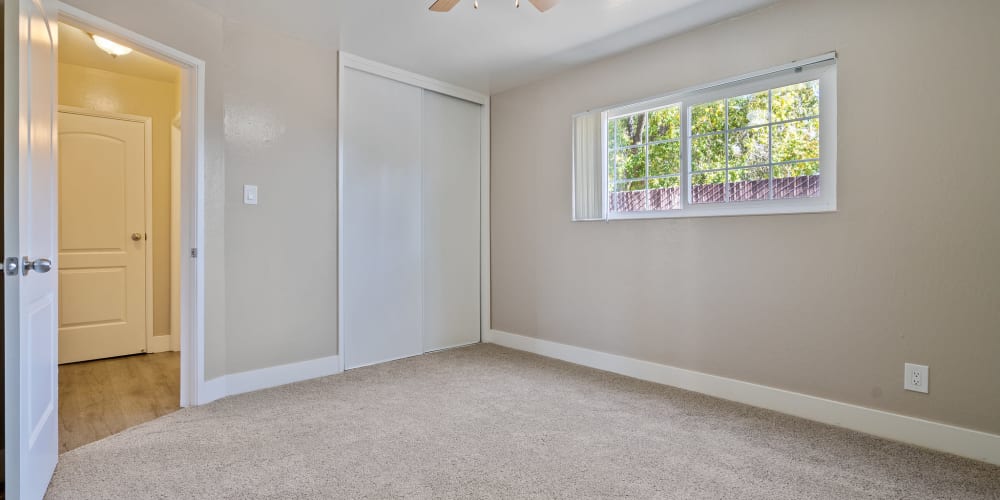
(382, 261)
(451, 237)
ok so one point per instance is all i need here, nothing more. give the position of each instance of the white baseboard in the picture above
(158, 343)
(937, 436)
(212, 390)
(264, 378)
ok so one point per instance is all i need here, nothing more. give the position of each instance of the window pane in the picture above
(631, 163)
(797, 180)
(665, 158)
(708, 117)
(630, 186)
(796, 141)
(629, 130)
(612, 166)
(628, 196)
(795, 101)
(747, 184)
(748, 147)
(665, 182)
(708, 152)
(665, 124)
(665, 194)
(708, 188)
(748, 110)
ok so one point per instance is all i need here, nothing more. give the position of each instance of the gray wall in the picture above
(271, 121)
(906, 270)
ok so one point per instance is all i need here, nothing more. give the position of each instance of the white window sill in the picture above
(784, 207)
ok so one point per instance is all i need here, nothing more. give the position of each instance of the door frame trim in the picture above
(192, 287)
(347, 60)
(147, 205)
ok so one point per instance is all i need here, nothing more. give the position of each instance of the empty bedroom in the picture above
(504, 249)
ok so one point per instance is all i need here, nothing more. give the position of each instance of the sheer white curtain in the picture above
(588, 182)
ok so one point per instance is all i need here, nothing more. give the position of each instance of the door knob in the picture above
(136, 236)
(40, 266)
(10, 266)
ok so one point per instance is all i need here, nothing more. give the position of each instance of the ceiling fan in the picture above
(446, 5)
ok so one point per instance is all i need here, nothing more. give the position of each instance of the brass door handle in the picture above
(136, 236)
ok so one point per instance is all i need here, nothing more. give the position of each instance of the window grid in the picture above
(727, 133)
(770, 144)
(725, 176)
(647, 146)
(740, 129)
(772, 171)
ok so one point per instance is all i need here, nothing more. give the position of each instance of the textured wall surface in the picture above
(270, 120)
(905, 271)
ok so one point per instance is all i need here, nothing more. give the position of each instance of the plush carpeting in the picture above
(488, 422)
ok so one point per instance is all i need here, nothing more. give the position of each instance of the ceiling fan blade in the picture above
(544, 5)
(444, 5)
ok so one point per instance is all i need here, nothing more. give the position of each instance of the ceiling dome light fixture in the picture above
(447, 5)
(113, 49)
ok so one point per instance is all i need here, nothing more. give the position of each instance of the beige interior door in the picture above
(102, 236)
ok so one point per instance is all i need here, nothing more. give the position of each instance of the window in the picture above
(644, 160)
(758, 144)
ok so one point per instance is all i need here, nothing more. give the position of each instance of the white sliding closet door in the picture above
(382, 248)
(450, 184)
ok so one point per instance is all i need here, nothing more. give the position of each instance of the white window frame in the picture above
(822, 68)
(645, 144)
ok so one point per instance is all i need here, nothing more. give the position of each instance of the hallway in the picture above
(104, 397)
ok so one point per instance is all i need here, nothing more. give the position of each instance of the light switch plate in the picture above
(249, 194)
(915, 377)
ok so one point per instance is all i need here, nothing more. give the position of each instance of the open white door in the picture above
(30, 251)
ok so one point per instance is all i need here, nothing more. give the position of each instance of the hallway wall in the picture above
(107, 91)
(270, 120)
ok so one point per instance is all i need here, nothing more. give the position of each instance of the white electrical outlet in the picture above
(915, 378)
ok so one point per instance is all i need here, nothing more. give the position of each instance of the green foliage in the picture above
(748, 147)
(708, 152)
(665, 124)
(666, 182)
(627, 130)
(796, 141)
(655, 134)
(795, 102)
(796, 169)
(708, 178)
(748, 110)
(708, 117)
(665, 159)
(749, 174)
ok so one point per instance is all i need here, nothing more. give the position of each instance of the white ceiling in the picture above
(76, 47)
(492, 49)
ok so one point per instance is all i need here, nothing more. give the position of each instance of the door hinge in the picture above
(194, 253)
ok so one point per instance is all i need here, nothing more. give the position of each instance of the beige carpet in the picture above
(487, 422)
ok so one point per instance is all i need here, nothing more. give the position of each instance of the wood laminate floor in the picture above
(104, 397)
